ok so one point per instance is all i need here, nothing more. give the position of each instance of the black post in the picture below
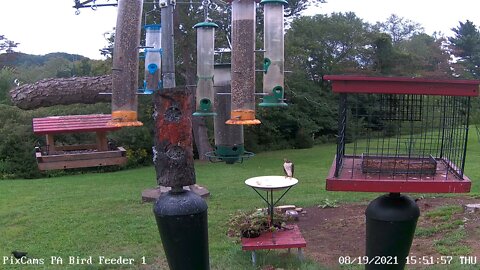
(182, 222)
(391, 222)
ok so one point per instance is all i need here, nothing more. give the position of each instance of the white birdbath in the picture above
(270, 184)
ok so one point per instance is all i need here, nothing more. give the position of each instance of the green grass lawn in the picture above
(102, 214)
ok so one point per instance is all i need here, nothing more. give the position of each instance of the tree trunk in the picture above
(173, 150)
(62, 91)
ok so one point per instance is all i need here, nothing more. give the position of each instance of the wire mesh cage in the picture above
(402, 136)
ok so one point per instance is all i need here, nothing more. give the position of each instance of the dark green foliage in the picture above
(23, 59)
(466, 46)
(6, 82)
(303, 140)
(17, 157)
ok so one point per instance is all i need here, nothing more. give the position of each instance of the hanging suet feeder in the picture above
(229, 140)
(153, 58)
(205, 59)
(243, 63)
(273, 63)
(125, 64)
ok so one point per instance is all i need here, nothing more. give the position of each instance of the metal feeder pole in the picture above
(168, 56)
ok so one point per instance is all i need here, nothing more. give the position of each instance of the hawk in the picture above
(288, 168)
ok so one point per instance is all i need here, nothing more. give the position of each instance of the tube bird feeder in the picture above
(205, 59)
(125, 64)
(153, 58)
(229, 140)
(273, 62)
(243, 63)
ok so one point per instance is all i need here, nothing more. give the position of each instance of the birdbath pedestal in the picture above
(269, 184)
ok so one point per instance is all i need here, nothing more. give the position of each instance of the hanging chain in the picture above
(205, 4)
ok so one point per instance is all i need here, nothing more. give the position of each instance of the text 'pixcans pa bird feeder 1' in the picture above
(125, 64)
(401, 134)
(243, 63)
(153, 58)
(274, 60)
(205, 59)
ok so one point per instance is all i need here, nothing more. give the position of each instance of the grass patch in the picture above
(102, 215)
(443, 219)
(453, 231)
(451, 244)
(444, 213)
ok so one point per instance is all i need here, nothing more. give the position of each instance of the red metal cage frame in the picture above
(402, 85)
(359, 181)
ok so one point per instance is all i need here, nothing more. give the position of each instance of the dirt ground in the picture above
(340, 231)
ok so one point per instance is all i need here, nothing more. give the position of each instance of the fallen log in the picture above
(62, 91)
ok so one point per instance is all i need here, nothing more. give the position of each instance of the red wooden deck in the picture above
(351, 178)
(276, 240)
(402, 85)
(72, 124)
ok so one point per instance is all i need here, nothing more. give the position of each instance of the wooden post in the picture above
(50, 143)
(102, 144)
(173, 150)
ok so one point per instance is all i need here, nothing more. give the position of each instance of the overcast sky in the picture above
(44, 26)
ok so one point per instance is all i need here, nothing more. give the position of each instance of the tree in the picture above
(399, 28)
(296, 6)
(7, 45)
(429, 56)
(465, 45)
(324, 44)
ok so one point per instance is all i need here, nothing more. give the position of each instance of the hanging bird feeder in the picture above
(229, 140)
(125, 64)
(273, 62)
(243, 63)
(205, 59)
(153, 58)
(406, 134)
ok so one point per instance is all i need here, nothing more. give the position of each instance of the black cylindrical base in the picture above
(182, 223)
(391, 220)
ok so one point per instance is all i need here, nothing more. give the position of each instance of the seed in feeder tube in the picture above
(243, 114)
(243, 64)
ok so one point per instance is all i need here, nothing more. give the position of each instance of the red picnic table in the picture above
(76, 156)
(288, 238)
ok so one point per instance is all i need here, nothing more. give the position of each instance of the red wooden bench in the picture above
(76, 156)
(290, 238)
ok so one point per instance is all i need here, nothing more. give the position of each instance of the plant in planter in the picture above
(253, 223)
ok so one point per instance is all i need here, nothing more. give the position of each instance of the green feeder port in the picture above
(283, 2)
(275, 99)
(205, 108)
(229, 154)
(266, 64)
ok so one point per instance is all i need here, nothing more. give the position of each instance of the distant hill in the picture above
(22, 59)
